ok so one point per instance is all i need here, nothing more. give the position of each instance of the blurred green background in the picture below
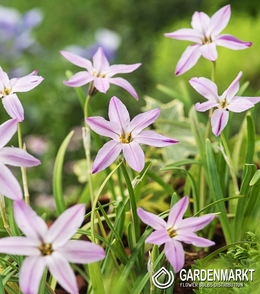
(52, 109)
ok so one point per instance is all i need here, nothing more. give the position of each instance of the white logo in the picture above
(169, 278)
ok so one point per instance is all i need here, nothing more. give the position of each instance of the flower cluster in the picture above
(56, 246)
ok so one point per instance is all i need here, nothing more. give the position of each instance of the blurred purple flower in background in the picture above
(105, 38)
(16, 30)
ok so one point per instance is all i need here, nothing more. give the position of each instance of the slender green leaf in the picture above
(57, 175)
(216, 191)
(248, 174)
(250, 150)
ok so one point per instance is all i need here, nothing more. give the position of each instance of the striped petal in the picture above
(31, 273)
(188, 59)
(134, 156)
(106, 156)
(9, 185)
(79, 251)
(62, 272)
(65, 226)
(13, 107)
(7, 130)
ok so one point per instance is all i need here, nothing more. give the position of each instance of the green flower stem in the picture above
(3, 215)
(213, 71)
(23, 169)
(86, 142)
(136, 229)
(94, 268)
(230, 162)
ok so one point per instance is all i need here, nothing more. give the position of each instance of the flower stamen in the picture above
(223, 104)
(206, 40)
(172, 232)
(125, 138)
(46, 249)
(6, 91)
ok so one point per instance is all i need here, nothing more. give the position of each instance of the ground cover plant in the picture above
(162, 194)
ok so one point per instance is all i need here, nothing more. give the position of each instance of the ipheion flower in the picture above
(99, 74)
(175, 231)
(228, 101)
(9, 88)
(205, 34)
(126, 136)
(9, 186)
(49, 247)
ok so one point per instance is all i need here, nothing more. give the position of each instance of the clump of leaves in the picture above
(244, 255)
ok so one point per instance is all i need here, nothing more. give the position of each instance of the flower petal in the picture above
(31, 273)
(194, 224)
(7, 130)
(219, 120)
(78, 60)
(13, 107)
(175, 254)
(4, 80)
(19, 246)
(219, 21)
(62, 272)
(17, 157)
(9, 185)
(106, 156)
(79, 79)
(187, 35)
(177, 212)
(134, 155)
(125, 85)
(206, 88)
(142, 121)
(209, 51)
(82, 252)
(100, 62)
(153, 139)
(158, 237)
(151, 219)
(239, 105)
(231, 91)
(101, 84)
(191, 238)
(103, 127)
(25, 83)
(188, 59)
(205, 105)
(121, 68)
(230, 42)
(118, 113)
(199, 22)
(65, 226)
(29, 222)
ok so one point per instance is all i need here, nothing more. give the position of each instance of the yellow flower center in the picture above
(223, 103)
(46, 249)
(125, 138)
(6, 91)
(98, 75)
(172, 232)
(206, 40)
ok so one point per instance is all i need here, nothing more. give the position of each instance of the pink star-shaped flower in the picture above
(126, 136)
(175, 231)
(49, 247)
(205, 35)
(228, 101)
(100, 74)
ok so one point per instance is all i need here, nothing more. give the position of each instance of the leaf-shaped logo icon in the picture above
(169, 278)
